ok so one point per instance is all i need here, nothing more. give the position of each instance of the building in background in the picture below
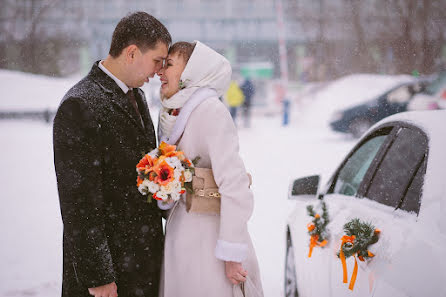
(324, 38)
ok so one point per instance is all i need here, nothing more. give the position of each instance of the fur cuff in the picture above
(228, 251)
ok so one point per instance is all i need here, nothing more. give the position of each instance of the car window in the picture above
(399, 95)
(433, 88)
(395, 174)
(412, 199)
(351, 174)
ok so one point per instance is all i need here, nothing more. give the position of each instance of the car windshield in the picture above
(440, 82)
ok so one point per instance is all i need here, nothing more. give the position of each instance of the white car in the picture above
(394, 178)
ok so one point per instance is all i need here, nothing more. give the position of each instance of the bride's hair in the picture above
(183, 49)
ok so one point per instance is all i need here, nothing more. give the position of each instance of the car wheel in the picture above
(290, 270)
(359, 126)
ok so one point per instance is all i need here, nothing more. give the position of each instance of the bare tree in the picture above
(36, 13)
(31, 41)
(415, 32)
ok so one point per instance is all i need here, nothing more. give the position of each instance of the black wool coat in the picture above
(111, 233)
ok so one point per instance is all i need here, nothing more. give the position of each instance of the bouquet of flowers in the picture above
(164, 173)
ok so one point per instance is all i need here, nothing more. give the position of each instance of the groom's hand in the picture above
(109, 290)
(235, 272)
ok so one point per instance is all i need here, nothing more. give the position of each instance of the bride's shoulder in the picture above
(213, 107)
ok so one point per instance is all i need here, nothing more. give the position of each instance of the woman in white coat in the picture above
(205, 254)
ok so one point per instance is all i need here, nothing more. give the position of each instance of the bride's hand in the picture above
(235, 272)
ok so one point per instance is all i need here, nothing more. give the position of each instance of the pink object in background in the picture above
(433, 105)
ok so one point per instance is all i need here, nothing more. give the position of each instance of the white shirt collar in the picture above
(122, 85)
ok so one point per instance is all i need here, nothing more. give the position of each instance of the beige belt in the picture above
(206, 198)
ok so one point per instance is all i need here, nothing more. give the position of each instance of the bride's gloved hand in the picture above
(235, 272)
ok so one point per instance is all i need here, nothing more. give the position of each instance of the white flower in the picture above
(163, 195)
(142, 188)
(176, 187)
(187, 176)
(168, 188)
(177, 174)
(173, 162)
(153, 187)
(175, 196)
(154, 153)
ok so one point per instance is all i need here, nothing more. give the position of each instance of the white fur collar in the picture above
(197, 97)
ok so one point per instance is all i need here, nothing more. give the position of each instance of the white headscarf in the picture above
(205, 68)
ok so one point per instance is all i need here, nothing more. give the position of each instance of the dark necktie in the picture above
(132, 99)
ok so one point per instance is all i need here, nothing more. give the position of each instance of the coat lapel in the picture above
(144, 110)
(118, 98)
(122, 104)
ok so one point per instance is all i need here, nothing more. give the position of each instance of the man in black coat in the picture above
(113, 239)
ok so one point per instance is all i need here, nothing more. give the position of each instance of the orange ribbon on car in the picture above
(355, 273)
(355, 269)
(350, 239)
(314, 240)
(344, 240)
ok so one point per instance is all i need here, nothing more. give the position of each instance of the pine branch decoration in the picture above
(364, 234)
(359, 236)
(317, 229)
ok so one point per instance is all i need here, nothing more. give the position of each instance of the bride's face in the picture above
(170, 75)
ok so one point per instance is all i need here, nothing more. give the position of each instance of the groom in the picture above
(112, 239)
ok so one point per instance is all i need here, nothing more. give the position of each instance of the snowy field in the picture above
(30, 222)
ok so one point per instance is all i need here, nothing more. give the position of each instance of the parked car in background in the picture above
(358, 119)
(393, 178)
(433, 96)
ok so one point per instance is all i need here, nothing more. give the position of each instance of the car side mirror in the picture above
(306, 186)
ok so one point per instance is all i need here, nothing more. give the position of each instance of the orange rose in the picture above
(146, 164)
(152, 176)
(166, 148)
(165, 173)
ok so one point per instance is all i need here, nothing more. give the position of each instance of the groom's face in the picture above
(143, 66)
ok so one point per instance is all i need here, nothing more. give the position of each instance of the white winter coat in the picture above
(196, 245)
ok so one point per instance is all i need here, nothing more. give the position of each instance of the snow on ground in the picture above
(32, 92)
(30, 223)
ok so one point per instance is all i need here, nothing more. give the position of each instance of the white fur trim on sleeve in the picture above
(228, 251)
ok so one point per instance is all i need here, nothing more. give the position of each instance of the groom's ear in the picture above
(130, 53)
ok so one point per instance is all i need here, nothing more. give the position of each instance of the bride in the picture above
(208, 250)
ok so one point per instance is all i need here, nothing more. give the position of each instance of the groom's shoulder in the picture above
(85, 88)
(85, 91)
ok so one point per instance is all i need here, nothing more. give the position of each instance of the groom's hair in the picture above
(140, 29)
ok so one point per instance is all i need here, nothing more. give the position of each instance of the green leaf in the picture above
(188, 187)
(195, 160)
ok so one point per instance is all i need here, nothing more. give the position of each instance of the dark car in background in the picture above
(434, 95)
(358, 119)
